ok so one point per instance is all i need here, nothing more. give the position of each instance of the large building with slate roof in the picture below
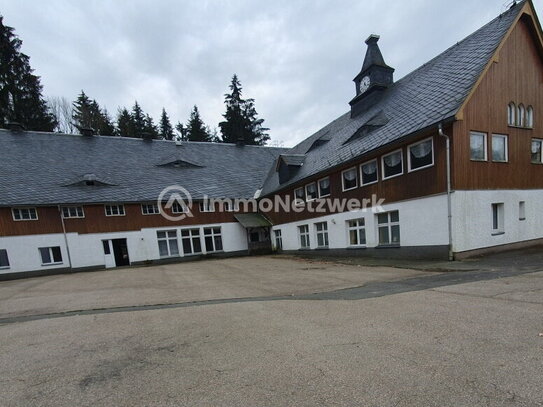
(452, 153)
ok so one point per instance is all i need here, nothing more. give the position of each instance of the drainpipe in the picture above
(449, 204)
(65, 237)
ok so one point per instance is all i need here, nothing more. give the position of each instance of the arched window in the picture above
(530, 117)
(511, 113)
(521, 112)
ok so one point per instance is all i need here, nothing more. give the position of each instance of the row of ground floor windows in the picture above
(168, 244)
(388, 232)
(47, 255)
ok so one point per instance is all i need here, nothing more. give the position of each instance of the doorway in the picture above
(120, 252)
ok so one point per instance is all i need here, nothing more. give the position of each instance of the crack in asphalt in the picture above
(369, 290)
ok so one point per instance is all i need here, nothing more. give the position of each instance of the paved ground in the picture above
(403, 338)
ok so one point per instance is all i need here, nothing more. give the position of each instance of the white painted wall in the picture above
(472, 218)
(423, 222)
(86, 250)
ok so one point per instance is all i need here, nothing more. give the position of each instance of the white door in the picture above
(109, 258)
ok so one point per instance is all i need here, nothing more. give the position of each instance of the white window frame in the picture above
(168, 239)
(230, 206)
(73, 212)
(320, 195)
(299, 201)
(409, 168)
(53, 262)
(304, 234)
(504, 136)
(278, 239)
(383, 164)
(323, 233)
(207, 207)
(498, 218)
(357, 228)
(485, 144)
(115, 210)
(30, 210)
(179, 208)
(512, 114)
(7, 258)
(521, 116)
(343, 179)
(362, 184)
(522, 210)
(540, 141)
(191, 238)
(389, 224)
(209, 231)
(529, 117)
(145, 209)
(316, 192)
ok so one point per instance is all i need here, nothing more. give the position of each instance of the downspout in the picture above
(65, 237)
(449, 203)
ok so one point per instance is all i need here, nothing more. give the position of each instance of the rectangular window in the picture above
(72, 212)
(4, 261)
(536, 151)
(499, 148)
(190, 239)
(368, 173)
(349, 179)
(497, 219)
(207, 206)
(522, 210)
(324, 187)
(321, 229)
(477, 143)
(177, 207)
(50, 255)
(114, 210)
(149, 209)
(392, 164)
(388, 227)
(167, 243)
(421, 155)
(311, 191)
(24, 213)
(299, 196)
(105, 244)
(213, 239)
(357, 232)
(278, 239)
(303, 231)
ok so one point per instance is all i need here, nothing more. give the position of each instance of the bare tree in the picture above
(63, 110)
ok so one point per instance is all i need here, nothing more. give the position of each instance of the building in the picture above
(453, 148)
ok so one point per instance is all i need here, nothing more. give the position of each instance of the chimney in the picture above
(15, 127)
(240, 142)
(147, 136)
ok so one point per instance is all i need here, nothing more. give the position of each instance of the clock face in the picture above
(364, 84)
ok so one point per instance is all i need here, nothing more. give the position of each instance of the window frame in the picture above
(191, 237)
(540, 141)
(362, 184)
(168, 239)
(304, 235)
(323, 233)
(506, 152)
(29, 208)
(206, 207)
(145, 207)
(68, 209)
(176, 205)
(118, 206)
(316, 192)
(278, 237)
(512, 114)
(529, 118)
(522, 210)
(7, 259)
(389, 224)
(521, 116)
(343, 189)
(485, 145)
(498, 218)
(299, 201)
(409, 167)
(400, 150)
(319, 194)
(357, 230)
(209, 231)
(51, 256)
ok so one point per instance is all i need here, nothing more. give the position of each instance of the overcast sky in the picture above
(296, 58)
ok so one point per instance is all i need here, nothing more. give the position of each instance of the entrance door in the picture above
(120, 252)
(109, 258)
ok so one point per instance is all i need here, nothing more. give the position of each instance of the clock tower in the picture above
(375, 75)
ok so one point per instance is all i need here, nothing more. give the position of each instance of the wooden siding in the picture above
(515, 75)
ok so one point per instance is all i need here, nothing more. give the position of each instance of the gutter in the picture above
(65, 237)
(449, 203)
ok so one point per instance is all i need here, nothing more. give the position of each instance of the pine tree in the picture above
(125, 126)
(196, 129)
(182, 132)
(107, 127)
(241, 119)
(21, 97)
(149, 127)
(138, 120)
(82, 111)
(166, 130)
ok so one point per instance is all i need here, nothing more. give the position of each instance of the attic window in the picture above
(322, 140)
(179, 164)
(376, 122)
(89, 180)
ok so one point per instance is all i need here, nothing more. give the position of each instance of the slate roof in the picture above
(48, 168)
(430, 94)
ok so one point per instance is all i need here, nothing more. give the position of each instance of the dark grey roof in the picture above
(48, 168)
(430, 94)
(296, 160)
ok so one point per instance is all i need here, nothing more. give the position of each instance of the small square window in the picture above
(392, 164)
(324, 187)
(311, 191)
(368, 173)
(421, 155)
(536, 151)
(50, 255)
(349, 179)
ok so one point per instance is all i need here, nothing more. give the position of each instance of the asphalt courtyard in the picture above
(277, 331)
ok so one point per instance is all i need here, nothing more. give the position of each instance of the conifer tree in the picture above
(196, 129)
(166, 129)
(138, 120)
(182, 131)
(125, 127)
(21, 97)
(149, 127)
